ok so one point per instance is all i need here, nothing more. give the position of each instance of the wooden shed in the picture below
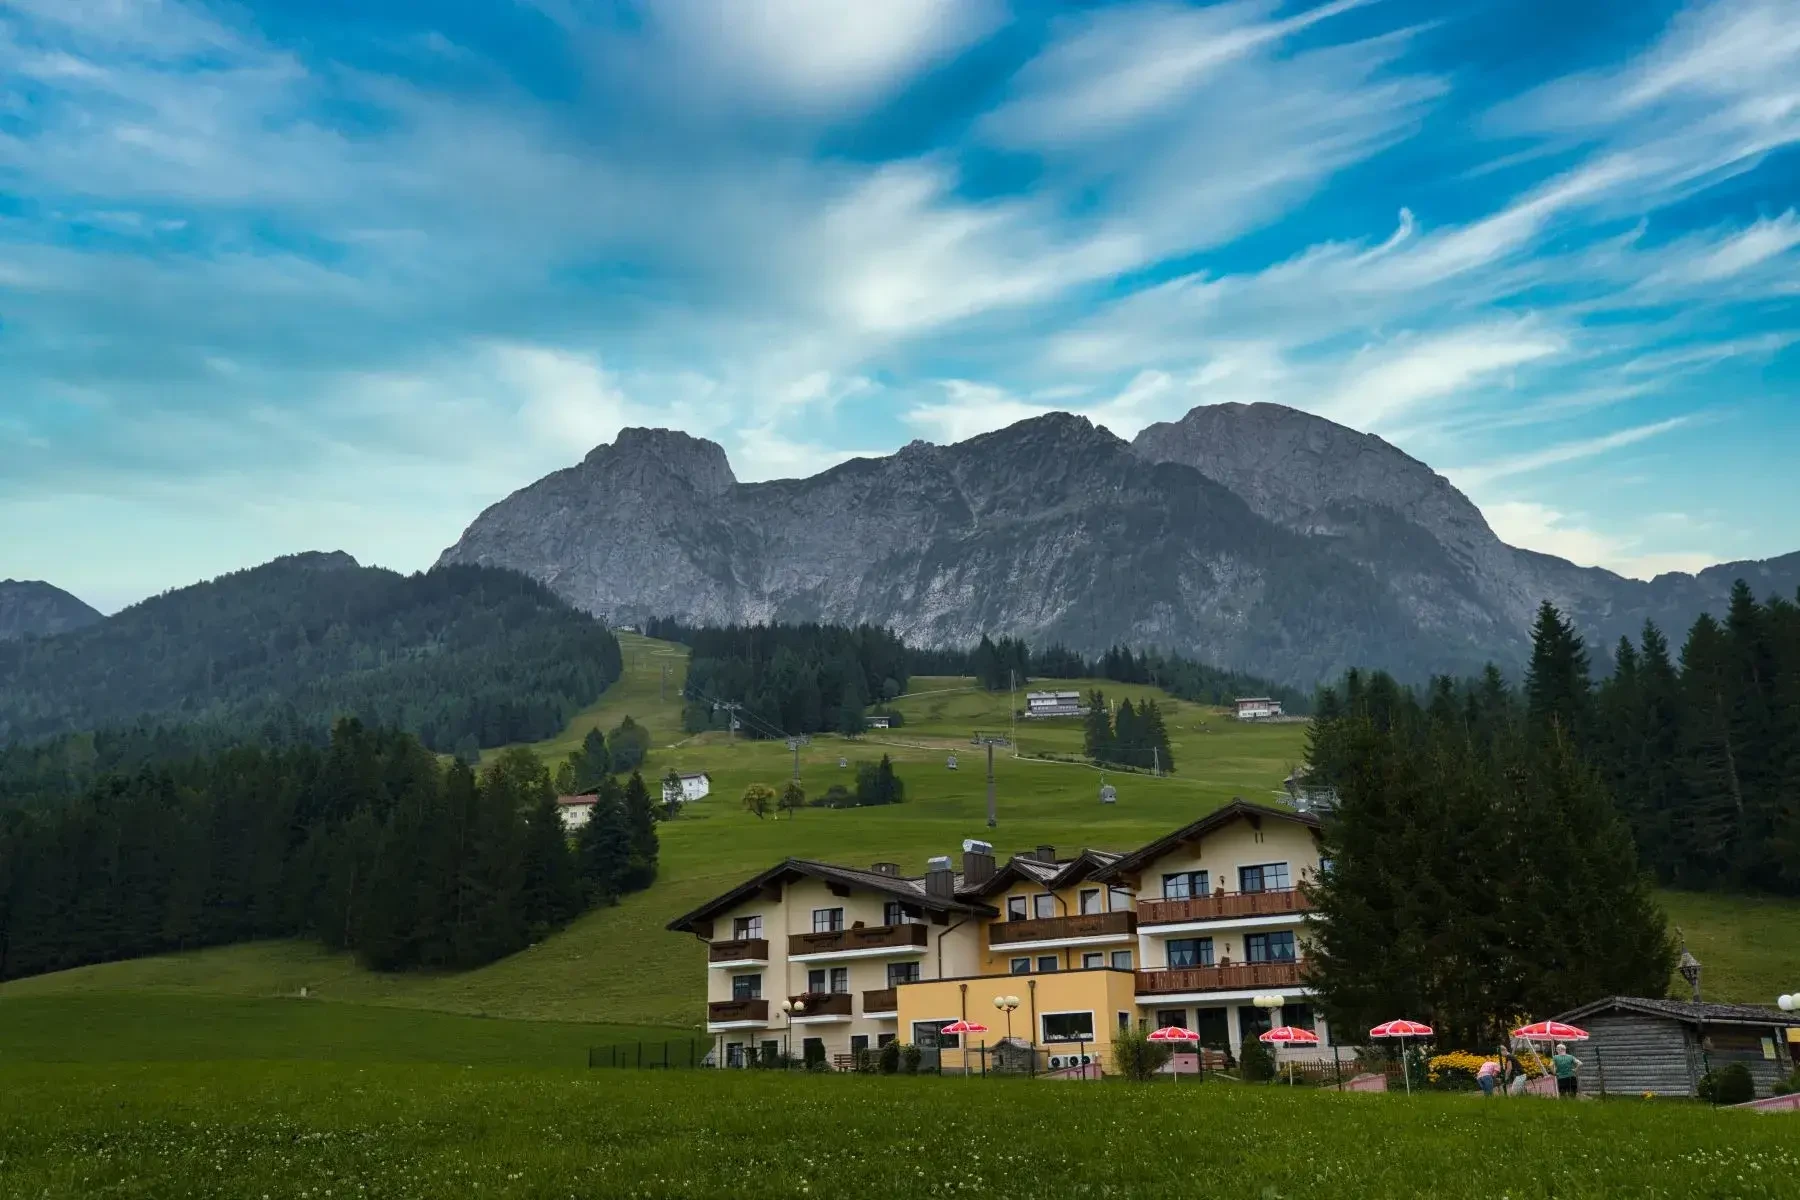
(1640, 1045)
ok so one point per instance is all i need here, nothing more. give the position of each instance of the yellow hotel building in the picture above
(1187, 930)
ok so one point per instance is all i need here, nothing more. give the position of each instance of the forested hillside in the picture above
(366, 843)
(1699, 752)
(461, 657)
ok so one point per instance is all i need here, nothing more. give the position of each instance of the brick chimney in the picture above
(1046, 854)
(940, 880)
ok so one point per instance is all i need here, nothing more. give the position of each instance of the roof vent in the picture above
(938, 862)
(1046, 854)
(886, 868)
(977, 846)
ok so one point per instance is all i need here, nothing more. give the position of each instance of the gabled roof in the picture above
(578, 801)
(1018, 868)
(1217, 819)
(1086, 865)
(1686, 1011)
(910, 890)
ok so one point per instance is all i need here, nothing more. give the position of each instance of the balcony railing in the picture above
(1050, 929)
(1224, 978)
(880, 1000)
(822, 1004)
(738, 1010)
(870, 937)
(739, 950)
(1222, 906)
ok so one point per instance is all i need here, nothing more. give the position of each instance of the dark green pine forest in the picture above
(1494, 846)
(461, 657)
(368, 843)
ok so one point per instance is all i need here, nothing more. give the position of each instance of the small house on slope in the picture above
(1639, 1045)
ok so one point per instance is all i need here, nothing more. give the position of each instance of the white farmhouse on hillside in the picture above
(1256, 708)
(693, 787)
(575, 810)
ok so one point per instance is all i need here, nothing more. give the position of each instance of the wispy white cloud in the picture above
(1474, 476)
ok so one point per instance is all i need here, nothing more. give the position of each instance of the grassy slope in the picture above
(620, 965)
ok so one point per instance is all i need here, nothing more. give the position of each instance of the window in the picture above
(734, 1054)
(1090, 901)
(1269, 877)
(1124, 1021)
(1043, 907)
(840, 979)
(1068, 1027)
(896, 912)
(746, 987)
(1269, 947)
(882, 1039)
(1048, 963)
(812, 1050)
(828, 920)
(929, 1035)
(746, 927)
(1092, 960)
(1324, 866)
(1118, 899)
(1186, 885)
(1167, 1018)
(1016, 908)
(816, 980)
(1190, 952)
(1121, 960)
(859, 1042)
(1253, 1022)
(1300, 1016)
(1021, 966)
(1213, 1026)
(902, 972)
(771, 1053)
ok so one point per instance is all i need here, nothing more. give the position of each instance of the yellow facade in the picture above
(1062, 1013)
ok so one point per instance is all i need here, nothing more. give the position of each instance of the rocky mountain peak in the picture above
(696, 461)
(33, 608)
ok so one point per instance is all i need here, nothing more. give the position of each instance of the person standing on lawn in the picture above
(1487, 1076)
(1565, 1065)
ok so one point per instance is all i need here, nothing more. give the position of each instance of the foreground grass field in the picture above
(307, 1130)
(619, 964)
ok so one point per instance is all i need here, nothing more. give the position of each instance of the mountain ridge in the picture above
(1252, 536)
(33, 608)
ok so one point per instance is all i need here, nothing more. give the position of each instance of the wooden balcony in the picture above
(1228, 977)
(881, 1000)
(739, 950)
(737, 1010)
(1051, 929)
(1222, 906)
(822, 1004)
(870, 937)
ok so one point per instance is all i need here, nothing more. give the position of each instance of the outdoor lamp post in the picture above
(1006, 1004)
(1788, 1003)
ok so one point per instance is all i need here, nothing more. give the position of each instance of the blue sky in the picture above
(337, 274)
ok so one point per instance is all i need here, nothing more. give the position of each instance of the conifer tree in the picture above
(1558, 687)
(1097, 729)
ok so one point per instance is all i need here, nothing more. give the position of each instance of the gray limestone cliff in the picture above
(32, 608)
(1253, 536)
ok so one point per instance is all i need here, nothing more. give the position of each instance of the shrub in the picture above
(1788, 1086)
(890, 1058)
(1730, 1084)
(1255, 1063)
(864, 1060)
(911, 1057)
(835, 796)
(1135, 1056)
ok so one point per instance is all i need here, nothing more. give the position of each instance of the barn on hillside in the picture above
(1638, 1045)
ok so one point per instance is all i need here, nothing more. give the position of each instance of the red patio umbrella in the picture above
(1401, 1029)
(1550, 1031)
(965, 1026)
(1289, 1035)
(1173, 1033)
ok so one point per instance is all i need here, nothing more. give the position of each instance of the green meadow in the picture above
(300, 1131)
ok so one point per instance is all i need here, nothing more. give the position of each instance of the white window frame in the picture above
(1045, 901)
(755, 988)
(753, 925)
(1113, 960)
(828, 928)
(1012, 966)
(1094, 966)
(1024, 903)
(1118, 899)
(1081, 902)
(1046, 1039)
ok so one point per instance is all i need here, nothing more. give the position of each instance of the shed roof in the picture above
(1688, 1012)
